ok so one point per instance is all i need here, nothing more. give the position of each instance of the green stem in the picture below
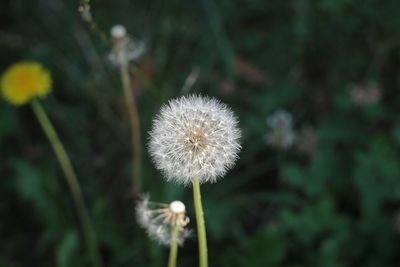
(201, 228)
(135, 125)
(72, 181)
(173, 250)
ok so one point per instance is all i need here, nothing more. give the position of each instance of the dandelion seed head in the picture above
(125, 48)
(194, 137)
(158, 219)
(281, 136)
(280, 119)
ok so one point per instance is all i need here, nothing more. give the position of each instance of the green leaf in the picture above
(67, 250)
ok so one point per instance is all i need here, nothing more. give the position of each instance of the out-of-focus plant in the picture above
(84, 9)
(282, 136)
(123, 51)
(23, 83)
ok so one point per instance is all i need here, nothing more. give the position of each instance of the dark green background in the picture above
(335, 207)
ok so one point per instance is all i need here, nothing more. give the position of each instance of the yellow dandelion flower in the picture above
(23, 81)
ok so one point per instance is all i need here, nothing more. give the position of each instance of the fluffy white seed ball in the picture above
(194, 138)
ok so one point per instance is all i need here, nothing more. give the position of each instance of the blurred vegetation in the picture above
(336, 205)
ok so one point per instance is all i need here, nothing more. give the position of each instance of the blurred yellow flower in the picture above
(23, 81)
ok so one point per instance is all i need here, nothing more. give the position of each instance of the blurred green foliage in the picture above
(336, 206)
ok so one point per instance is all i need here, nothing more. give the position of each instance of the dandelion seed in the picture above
(24, 81)
(159, 219)
(282, 136)
(194, 138)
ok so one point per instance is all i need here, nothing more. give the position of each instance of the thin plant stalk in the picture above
(173, 250)
(72, 181)
(201, 228)
(135, 126)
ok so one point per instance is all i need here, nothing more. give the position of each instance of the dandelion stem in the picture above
(72, 181)
(173, 250)
(84, 9)
(135, 125)
(201, 228)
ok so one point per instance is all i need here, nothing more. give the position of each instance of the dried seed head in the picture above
(158, 219)
(194, 137)
(125, 48)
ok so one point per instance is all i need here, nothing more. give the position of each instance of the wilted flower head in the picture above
(159, 219)
(365, 94)
(282, 135)
(194, 138)
(24, 81)
(124, 48)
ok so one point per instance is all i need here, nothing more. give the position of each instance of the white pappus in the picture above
(194, 137)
